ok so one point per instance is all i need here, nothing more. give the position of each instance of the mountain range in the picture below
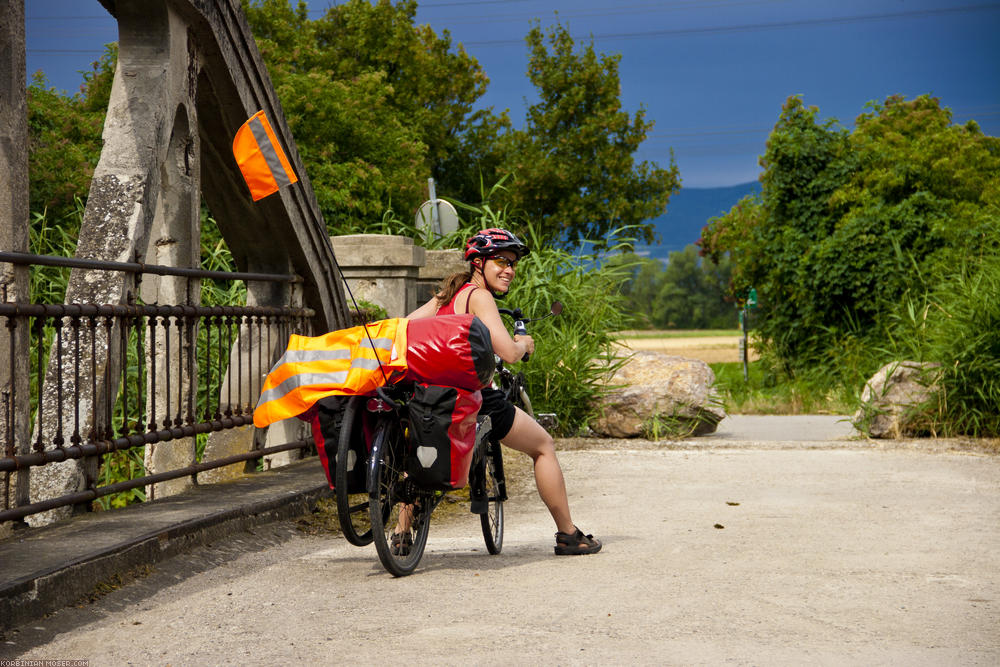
(687, 213)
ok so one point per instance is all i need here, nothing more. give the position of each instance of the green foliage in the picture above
(376, 104)
(692, 293)
(47, 284)
(124, 464)
(817, 242)
(689, 293)
(576, 177)
(955, 322)
(769, 391)
(64, 135)
(368, 312)
(216, 256)
(873, 246)
(575, 352)
(52, 237)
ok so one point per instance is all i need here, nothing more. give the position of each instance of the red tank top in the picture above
(449, 308)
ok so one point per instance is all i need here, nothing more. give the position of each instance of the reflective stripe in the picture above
(366, 364)
(270, 154)
(302, 379)
(301, 356)
(380, 343)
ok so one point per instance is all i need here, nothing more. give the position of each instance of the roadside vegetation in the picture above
(875, 245)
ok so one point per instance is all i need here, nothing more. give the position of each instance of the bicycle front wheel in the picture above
(400, 514)
(492, 520)
(352, 507)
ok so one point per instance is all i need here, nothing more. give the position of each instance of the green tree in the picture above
(576, 175)
(64, 135)
(846, 221)
(376, 104)
(642, 282)
(691, 293)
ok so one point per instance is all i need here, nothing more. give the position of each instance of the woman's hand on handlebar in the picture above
(527, 341)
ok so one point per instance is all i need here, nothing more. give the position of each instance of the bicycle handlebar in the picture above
(520, 321)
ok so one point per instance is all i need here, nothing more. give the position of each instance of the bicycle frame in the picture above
(397, 504)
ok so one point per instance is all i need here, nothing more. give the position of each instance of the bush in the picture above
(575, 352)
(956, 322)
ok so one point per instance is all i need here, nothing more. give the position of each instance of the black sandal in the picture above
(576, 544)
(399, 545)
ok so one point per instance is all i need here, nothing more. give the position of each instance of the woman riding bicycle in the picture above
(493, 255)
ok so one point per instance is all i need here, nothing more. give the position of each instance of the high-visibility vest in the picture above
(259, 156)
(344, 362)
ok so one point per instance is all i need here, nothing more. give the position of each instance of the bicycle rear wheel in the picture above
(398, 501)
(352, 508)
(492, 520)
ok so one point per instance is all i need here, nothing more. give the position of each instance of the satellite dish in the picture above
(441, 222)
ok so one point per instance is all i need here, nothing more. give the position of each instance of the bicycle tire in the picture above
(352, 508)
(492, 520)
(389, 494)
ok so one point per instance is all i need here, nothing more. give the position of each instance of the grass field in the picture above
(676, 333)
(711, 346)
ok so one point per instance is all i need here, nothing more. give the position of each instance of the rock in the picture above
(894, 402)
(659, 395)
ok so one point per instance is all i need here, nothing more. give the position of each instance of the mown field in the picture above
(713, 347)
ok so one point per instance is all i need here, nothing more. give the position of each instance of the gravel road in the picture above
(833, 554)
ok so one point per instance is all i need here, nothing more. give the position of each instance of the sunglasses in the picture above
(503, 262)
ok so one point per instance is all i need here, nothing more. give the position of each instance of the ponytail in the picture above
(450, 286)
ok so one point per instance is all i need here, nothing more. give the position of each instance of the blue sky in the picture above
(712, 74)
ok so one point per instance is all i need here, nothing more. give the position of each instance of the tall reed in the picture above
(955, 322)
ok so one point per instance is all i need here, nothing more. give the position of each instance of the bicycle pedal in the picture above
(547, 420)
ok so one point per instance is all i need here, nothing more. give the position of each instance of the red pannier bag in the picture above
(442, 435)
(325, 418)
(450, 350)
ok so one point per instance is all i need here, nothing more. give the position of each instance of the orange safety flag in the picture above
(258, 153)
(344, 362)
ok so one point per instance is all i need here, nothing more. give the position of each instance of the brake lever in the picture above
(521, 330)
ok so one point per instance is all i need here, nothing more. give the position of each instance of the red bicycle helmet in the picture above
(488, 242)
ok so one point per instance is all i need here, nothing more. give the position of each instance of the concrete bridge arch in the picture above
(188, 75)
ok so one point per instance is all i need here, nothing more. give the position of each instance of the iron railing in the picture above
(129, 375)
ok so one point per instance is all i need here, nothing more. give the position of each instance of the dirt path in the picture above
(840, 555)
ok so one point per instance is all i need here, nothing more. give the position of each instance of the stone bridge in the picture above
(188, 76)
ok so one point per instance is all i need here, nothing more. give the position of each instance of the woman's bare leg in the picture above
(528, 437)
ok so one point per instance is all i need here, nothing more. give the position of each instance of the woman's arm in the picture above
(483, 306)
(429, 309)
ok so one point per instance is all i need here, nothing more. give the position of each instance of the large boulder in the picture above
(897, 401)
(659, 395)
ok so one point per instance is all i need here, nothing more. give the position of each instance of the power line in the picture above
(64, 52)
(106, 17)
(618, 10)
(707, 132)
(481, 2)
(752, 27)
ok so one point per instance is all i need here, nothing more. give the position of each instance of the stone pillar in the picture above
(174, 241)
(14, 433)
(381, 269)
(153, 78)
(439, 265)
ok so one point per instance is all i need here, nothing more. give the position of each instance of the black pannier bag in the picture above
(442, 435)
(326, 417)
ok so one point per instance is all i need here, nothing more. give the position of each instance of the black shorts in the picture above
(500, 410)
